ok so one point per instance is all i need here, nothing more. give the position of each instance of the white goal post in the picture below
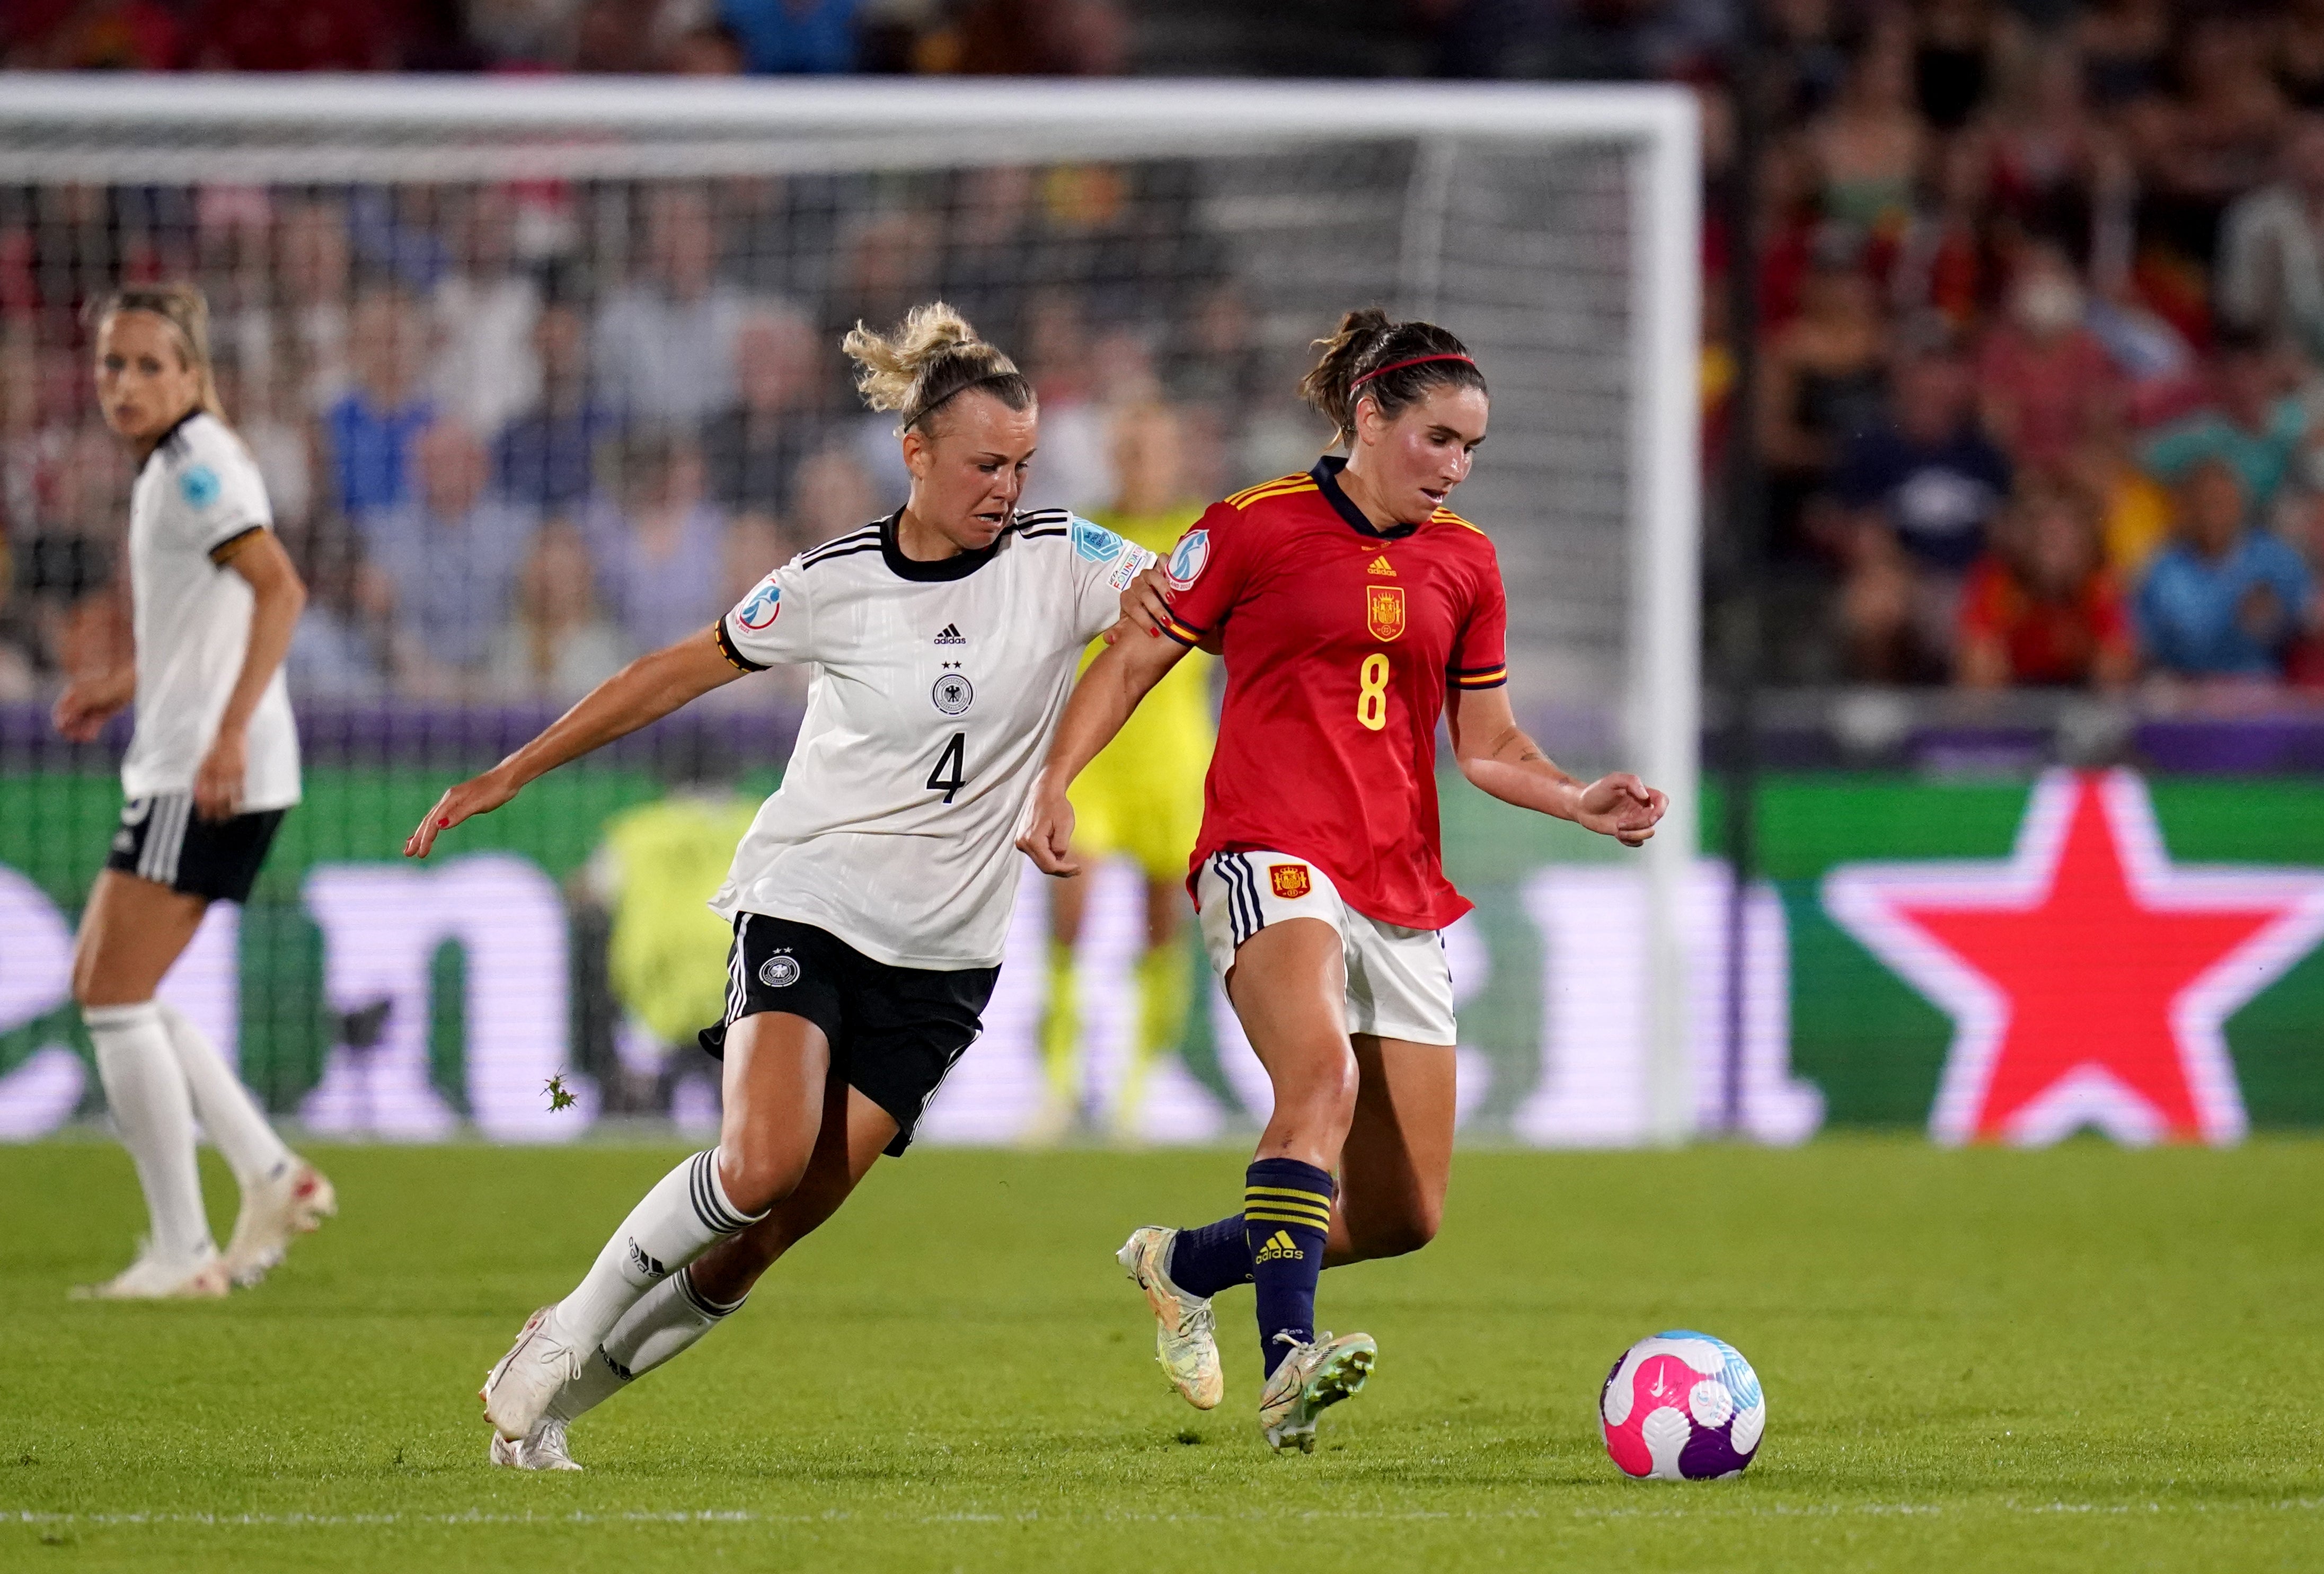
(1556, 228)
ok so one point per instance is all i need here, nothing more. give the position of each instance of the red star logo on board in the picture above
(2089, 978)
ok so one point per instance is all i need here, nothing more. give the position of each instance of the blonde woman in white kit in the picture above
(212, 766)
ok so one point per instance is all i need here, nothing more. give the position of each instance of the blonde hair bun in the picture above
(931, 356)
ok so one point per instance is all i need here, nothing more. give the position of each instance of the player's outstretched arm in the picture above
(646, 690)
(1102, 702)
(1497, 758)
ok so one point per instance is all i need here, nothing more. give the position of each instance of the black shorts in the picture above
(895, 1031)
(164, 840)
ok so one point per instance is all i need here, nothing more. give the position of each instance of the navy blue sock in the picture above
(1287, 1210)
(1205, 1261)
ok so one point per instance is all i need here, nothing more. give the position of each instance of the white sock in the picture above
(668, 1320)
(225, 1107)
(680, 1219)
(146, 1092)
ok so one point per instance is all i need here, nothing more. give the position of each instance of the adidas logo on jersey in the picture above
(1278, 1244)
(951, 635)
(1380, 565)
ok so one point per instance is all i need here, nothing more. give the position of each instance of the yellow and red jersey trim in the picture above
(1445, 516)
(1480, 677)
(1281, 486)
(1183, 632)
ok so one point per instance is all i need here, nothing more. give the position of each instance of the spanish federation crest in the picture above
(1289, 882)
(1384, 610)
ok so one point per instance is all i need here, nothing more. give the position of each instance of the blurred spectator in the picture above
(2214, 140)
(1822, 380)
(448, 558)
(284, 448)
(2123, 44)
(64, 553)
(558, 646)
(793, 37)
(334, 653)
(2300, 53)
(712, 51)
(1946, 258)
(373, 424)
(2134, 511)
(2255, 423)
(546, 456)
(667, 339)
(1075, 468)
(1952, 63)
(1868, 146)
(1919, 489)
(752, 449)
(484, 306)
(2041, 608)
(2270, 274)
(313, 268)
(2054, 165)
(832, 495)
(2222, 600)
(92, 35)
(1592, 40)
(293, 36)
(2044, 382)
(1036, 38)
(659, 544)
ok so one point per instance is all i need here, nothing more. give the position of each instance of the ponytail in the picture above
(1392, 364)
(187, 311)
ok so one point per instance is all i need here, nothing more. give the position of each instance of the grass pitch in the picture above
(2081, 1359)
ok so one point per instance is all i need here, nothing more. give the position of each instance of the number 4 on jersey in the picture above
(950, 773)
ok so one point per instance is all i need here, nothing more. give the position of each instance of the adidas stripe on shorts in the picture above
(165, 838)
(1398, 983)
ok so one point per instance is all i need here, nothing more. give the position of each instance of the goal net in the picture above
(541, 372)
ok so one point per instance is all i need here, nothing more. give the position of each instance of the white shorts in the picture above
(1399, 984)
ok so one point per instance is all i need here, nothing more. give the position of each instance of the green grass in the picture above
(2081, 1359)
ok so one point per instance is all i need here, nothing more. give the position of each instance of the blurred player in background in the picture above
(212, 766)
(871, 895)
(1142, 798)
(1353, 609)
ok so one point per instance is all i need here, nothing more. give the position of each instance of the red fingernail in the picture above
(444, 823)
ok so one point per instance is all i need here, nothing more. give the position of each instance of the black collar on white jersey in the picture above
(959, 566)
(1327, 481)
(163, 441)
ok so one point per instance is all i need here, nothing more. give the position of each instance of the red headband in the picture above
(1400, 365)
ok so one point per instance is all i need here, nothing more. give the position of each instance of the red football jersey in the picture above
(1340, 639)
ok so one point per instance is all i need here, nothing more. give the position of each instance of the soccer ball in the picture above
(1683, 1406)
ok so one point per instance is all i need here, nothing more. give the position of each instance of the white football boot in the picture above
(273, 1210)
(1309, 1380)
(1186, 1335)
(517, 1392)
(543, 1447)
(149, 1278)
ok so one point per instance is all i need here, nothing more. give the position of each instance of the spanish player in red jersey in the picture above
(1353, 609)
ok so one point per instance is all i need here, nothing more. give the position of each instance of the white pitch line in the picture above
(751, 1517)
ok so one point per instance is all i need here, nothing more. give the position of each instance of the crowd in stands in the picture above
(515, 436)
(2041, 382)
(2040, 319)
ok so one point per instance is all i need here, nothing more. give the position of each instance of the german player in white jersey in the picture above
(871, 895)
(213, 764)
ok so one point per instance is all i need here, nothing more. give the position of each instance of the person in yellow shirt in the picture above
(1141, 799)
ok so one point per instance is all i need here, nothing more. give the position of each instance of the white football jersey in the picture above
(934, 690)
(199, 490)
